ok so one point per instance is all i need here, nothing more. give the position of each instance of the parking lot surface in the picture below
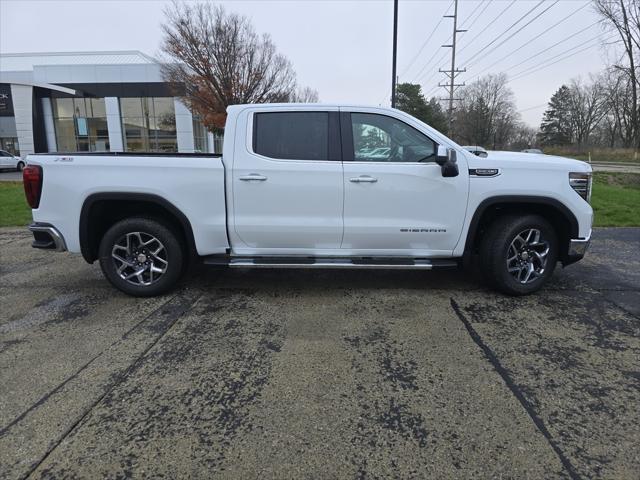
(320, 374)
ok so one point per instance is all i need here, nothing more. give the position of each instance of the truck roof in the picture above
(306, 105)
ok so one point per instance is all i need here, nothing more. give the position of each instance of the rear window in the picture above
(292, 135)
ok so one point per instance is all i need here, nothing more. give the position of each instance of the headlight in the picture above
(581, 183)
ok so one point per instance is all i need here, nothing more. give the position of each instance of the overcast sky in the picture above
(343, 48)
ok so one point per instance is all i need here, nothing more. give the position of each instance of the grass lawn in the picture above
(14, 210)
(615, 199)
(598, 155)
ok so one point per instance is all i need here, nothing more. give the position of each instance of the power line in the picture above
(515, 33)
(534, 107)
(453, 72)
(492, 21)
(427, 40)
(435, 52)
(444, 54)
(474, 11)
(571, 52)
(542, 65)
(503, 33)
(420, 75)
(528, 42)
(588, 27)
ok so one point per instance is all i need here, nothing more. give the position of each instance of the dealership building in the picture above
(94, 102)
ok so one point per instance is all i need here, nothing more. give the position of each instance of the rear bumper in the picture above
(47, 237)
(577, 248)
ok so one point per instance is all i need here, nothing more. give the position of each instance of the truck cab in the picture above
(303, 183)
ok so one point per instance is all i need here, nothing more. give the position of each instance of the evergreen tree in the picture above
(556, 128)
(409, 99)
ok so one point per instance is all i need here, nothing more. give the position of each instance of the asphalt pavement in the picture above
(627, 167)
(10, 176)
(320, 374)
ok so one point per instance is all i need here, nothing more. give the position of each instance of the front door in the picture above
(396, 200)
(287, 183)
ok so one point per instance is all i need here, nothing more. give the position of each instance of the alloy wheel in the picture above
(139, 258)
(527, 256)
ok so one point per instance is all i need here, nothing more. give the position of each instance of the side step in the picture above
(324, 262)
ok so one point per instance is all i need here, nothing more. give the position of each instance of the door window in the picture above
(292, 135)
(379, 138)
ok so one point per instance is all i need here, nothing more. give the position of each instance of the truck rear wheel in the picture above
(519, 253)
(141, 257)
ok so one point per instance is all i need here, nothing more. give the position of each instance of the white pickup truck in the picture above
(295, 188)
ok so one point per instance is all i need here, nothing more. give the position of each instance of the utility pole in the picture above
(395, 51)
(453, 72)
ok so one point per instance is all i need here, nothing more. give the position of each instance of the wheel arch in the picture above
(561, 218)
(101, 210)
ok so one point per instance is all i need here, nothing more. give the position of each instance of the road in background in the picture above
(616, 167)
(10, 176)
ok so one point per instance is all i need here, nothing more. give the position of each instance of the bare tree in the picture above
(305, 95)
(221, 61)
(587, 106)
(523, 137)
(486, 114)
(623, 16)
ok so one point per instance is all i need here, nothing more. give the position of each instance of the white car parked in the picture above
(477, 150)
(293, 189)
(10, 161)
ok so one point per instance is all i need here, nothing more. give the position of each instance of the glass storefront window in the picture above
(80, 124)
(149, 124)
(10, 144)
(200, 138)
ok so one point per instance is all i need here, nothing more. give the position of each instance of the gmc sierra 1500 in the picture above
(297, 186)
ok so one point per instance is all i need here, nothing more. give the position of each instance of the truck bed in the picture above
(193, 183)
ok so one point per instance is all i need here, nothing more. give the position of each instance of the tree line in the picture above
(602, 110)
(219, 59)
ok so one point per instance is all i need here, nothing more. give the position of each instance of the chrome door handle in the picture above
(363, 179)
(253, 176)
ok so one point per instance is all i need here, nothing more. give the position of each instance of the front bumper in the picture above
(577, 248)
(47, 237)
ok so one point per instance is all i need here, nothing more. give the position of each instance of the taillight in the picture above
(32, 180)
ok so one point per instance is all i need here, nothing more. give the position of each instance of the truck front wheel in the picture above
(519, 253)
(141, 257)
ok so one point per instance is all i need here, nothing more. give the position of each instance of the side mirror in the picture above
(442, 156)
(447, 159)
(452, 155)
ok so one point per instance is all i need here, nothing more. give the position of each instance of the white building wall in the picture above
(184, 127)
(22, 96)
(114, 125)
(49, 127)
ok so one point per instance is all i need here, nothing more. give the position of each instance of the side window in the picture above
(379, 138)
(292, 135)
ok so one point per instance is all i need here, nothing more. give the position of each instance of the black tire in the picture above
(496, 248)
(171, 257)
(20, 166)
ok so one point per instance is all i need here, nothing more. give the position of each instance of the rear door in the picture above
(287, 182)
(6, 160)
(396, 200)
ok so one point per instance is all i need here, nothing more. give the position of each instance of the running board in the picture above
(351, 263)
